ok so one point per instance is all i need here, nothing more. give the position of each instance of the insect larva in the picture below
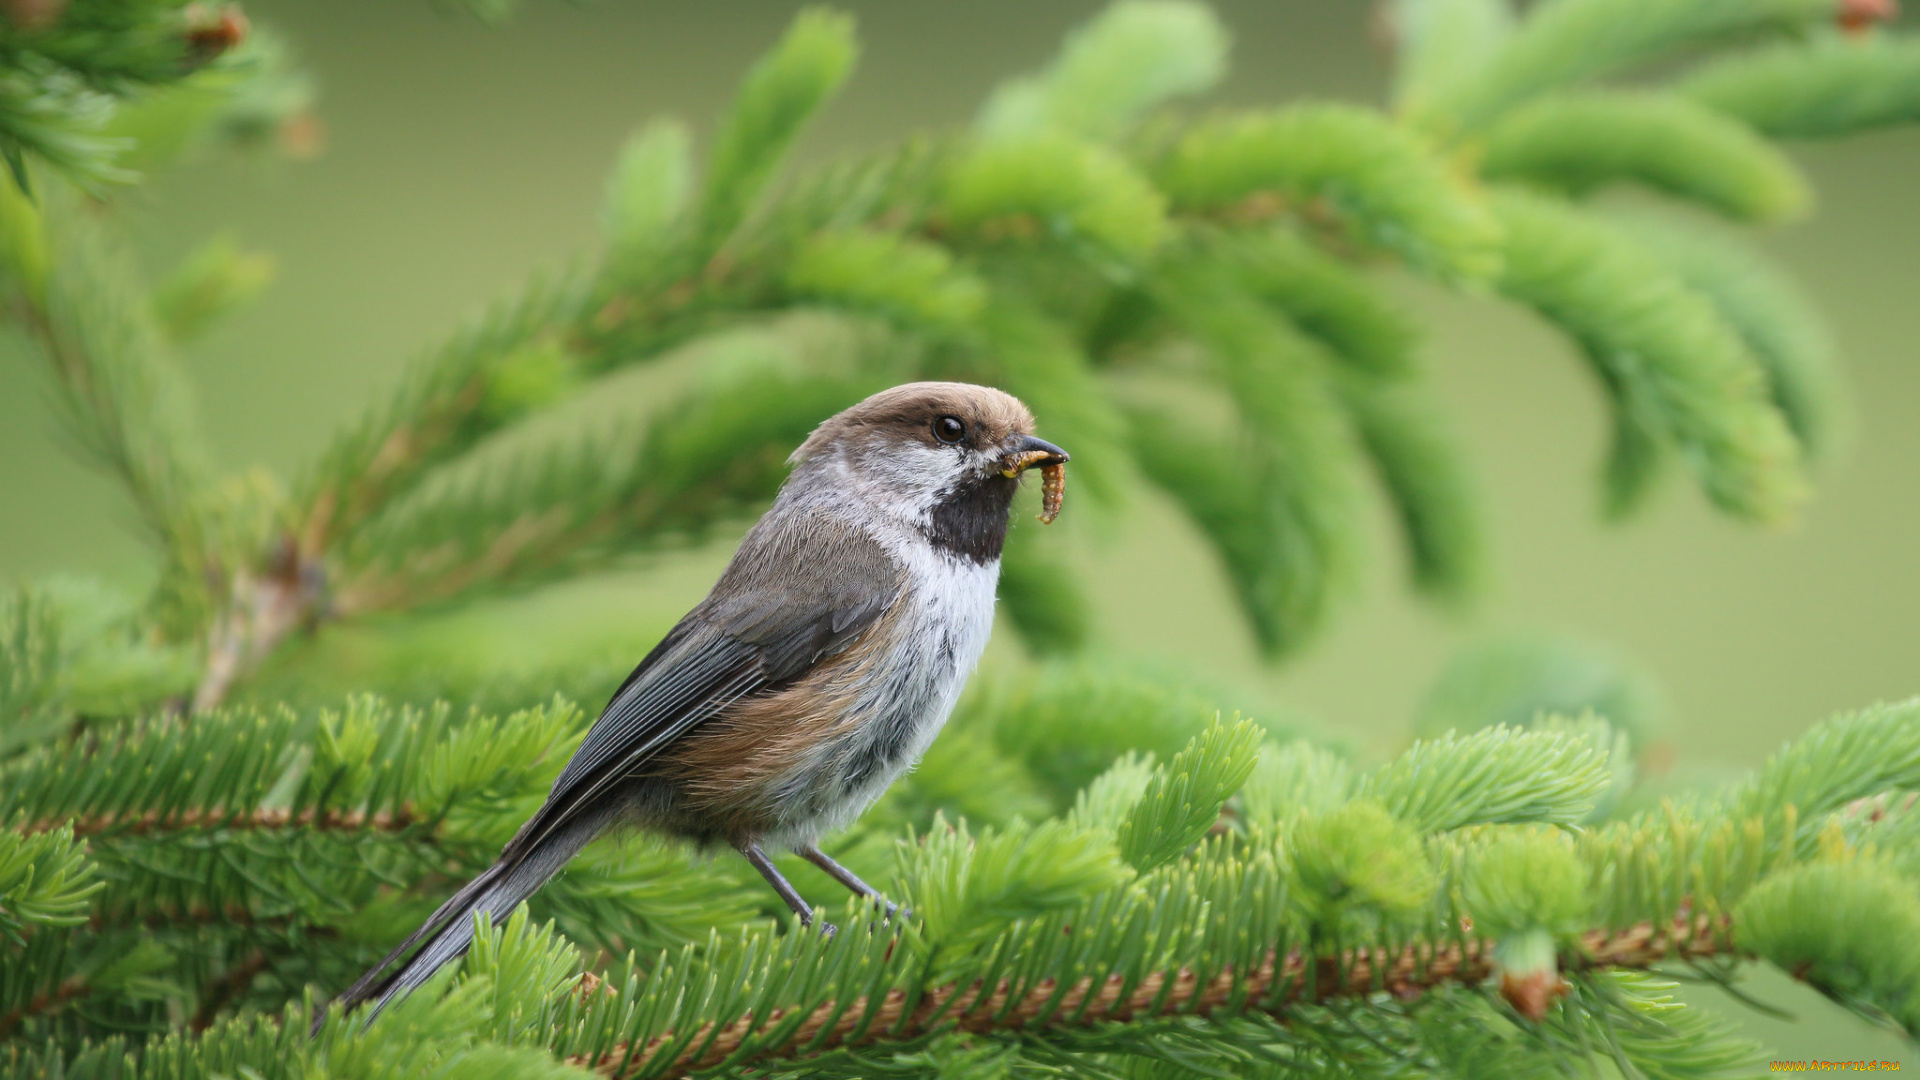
(1053, 481)
(1053, 491)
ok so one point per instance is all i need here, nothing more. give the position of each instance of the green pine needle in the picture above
(1831, 87)
(1496, 775)
(1056, 186)
(1443, 44)
(45, 881)
(1567, 42)
(1182, 799)
(893, 276)
(1771, 313)
(1679, 374)
(1850, 928)
(1580, 142)
(779, 95)
(1379, 180)
(646, 198)
(1134, 55)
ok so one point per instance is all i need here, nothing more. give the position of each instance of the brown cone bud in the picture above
(33, 14)
(1857, 15)
(213, 30)
(1533, 993)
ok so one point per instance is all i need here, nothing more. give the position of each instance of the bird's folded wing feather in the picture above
(802, 588)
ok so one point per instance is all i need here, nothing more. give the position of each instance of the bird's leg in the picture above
(844, 876)
(782, 886)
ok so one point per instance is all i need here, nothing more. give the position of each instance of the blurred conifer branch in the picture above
(97, 90)
(1086, 238)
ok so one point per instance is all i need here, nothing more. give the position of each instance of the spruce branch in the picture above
(1676, 370)
(1133, 56)
(1391, 901)
(1293, 553)
(1019, 253)
(1417, 464)
(779, 95)
(713, 447)
(1441, 44)
(121, 400)
(246, 831)
(1768, 309)
(1324, 296)
(45, 881)
(445, 405)
(66, 71)
(1070, 240)
(1830, 87)
(30, 668)
(1453, 781)
(646, 198)
(1573, 41)
(153, 821)
(1278, 987)
(1581, 142)
(1379, 179)
(48, 1001)
(1180, 802)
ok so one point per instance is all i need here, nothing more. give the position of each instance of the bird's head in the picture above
(942, 455)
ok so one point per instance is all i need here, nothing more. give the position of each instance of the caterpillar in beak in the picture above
(1053, 491)
(1053, 480)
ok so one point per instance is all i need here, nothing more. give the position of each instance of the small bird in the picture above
(819, 668)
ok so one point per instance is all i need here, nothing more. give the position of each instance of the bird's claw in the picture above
(894, 911)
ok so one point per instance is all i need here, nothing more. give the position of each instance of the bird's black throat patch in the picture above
(972, 522)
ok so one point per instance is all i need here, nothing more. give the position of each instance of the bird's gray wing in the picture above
(802, 588)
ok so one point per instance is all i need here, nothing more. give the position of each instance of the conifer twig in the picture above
(218, 818)
(1274, 989)
(45, 1002)
(261, 610)
(223, 990)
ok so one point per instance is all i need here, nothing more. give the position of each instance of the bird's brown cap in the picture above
(909, 411)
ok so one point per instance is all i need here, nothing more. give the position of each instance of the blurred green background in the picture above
(458, 157)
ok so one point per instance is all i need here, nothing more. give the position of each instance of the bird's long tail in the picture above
(449, 930)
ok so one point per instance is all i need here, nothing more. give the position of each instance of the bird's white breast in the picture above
(931, 649)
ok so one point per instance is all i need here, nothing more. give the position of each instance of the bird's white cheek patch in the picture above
(915, 477)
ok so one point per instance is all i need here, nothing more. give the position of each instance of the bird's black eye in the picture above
(949, 429)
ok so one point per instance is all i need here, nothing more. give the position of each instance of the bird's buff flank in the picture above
(819, 668)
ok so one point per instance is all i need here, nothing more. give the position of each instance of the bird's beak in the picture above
(1026, 452)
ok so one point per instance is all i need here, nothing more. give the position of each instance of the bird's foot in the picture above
(894, 912)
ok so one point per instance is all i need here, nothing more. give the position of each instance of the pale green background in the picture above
(460, 157)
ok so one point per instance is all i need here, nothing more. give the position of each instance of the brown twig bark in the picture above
(261, 610)
(45, 1002)
(217, 818)
(1275, 988)
(221, 992)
